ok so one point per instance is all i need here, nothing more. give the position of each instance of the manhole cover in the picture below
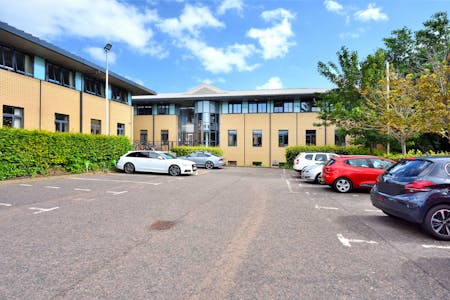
(162, 225)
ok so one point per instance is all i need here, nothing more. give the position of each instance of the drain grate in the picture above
(162, 225)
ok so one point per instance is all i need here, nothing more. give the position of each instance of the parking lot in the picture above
(232, 233)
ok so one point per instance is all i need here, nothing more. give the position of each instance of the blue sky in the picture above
(172, 46)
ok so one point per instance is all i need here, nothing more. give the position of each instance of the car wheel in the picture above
(174, 170)
(209, 165)
(318, 178)
(342, 185)
(437, 222)
(128, 168)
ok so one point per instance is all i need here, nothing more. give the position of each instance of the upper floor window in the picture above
(144, 110)
(120, 129)
(16, 61)
(94, 86)
(163, 109)
(310, 137)
(232, 138)
(283, 106)
(257, 107)
(308, 106)
(60, 75)
(283, 138)
(257, 138)
(235, 108)
(12, 116)
(119, 94)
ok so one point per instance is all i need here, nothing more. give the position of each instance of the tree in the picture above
(397, 111)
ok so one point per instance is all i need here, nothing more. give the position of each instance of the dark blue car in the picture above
(417, 190)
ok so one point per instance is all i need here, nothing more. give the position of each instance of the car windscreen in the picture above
(167, 156)
(409, 168)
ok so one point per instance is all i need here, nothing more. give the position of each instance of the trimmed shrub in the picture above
(185, 150)
(28, 153)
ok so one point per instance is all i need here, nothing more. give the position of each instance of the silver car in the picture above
(313, 173)
(154, 161)
(205, 159)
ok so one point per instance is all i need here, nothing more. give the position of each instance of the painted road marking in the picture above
(117, 193)
(373, 210)
(83, 190)
(42, 210)
(52, 187)
(5, 204)
(25, 184)
(112, 180)
(289, 185)
(326, 207)
(436, 247)
(346, 242)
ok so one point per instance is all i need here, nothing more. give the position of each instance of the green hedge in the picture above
(28, 153)
(185, 150)
(293, 151)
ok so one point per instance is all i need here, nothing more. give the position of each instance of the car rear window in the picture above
(330, 162)
(321, 157)
(309, 156)
(409, 168)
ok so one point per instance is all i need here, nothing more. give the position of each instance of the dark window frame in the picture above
(232, 138)
(16, 61)
(283, 138)
(120, 129)
(235, 107)
(311, 137)
(96, 126)
(61, 122)
(59, 75)
(257, 138)
(10, 113)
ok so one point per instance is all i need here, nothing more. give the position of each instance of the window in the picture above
(12, 116)
(16, 61)
(94, 86)
(143, 136)
(321, 157)
(144, 110)
(257, 107)
(283, 106)
(235, 108)
(61, 123)
(310, 137)
(96, 126)
(283, 138)
(257, 138)
(120, 129)
(119, 94)
(163, 109)
(59, 75)
(232, 138)
(164, 137)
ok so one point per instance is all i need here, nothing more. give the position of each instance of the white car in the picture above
(313, 173)
(154, 161)
(304, 159)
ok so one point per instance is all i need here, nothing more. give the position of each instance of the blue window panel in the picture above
(172, 109)
(225, 107)
(245, 107)
(39, 68)
(297, 105)
(78, 81)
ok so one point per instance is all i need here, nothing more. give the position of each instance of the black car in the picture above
(417, 190)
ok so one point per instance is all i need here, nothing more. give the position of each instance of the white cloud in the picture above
(352, 34)
(333, 6)
(99, 54)
(221, 60)
(275, 41)
(372, 13)
(272, 84)
(108, 20)
(227, 5)
(191, 20)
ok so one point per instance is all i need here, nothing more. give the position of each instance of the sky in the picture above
(172, 46)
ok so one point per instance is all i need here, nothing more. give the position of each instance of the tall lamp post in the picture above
(107, 48)
(389, 58)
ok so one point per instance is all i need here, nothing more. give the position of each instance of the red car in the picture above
(348, 172)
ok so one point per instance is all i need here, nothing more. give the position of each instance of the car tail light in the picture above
(418, 186)
(297, 161)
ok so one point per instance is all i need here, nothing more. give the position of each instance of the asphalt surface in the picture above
(232, 233)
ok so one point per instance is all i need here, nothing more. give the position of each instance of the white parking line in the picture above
(112, 180)
(52, 187)
(346, 242)
(373, 210)
(83, 190)
(25, 184)
(289, 185)
(117, 193)
(5, 204)
(436, 247)
(42, 210)
(326, 207)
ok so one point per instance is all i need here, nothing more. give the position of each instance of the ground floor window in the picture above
(143, 136)
(164, 137)
(257, 138)
(61, 123)
(120, 129)
(96, 126)
(232, 138)
(310, 137)
(283, 138)
(12, 116)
